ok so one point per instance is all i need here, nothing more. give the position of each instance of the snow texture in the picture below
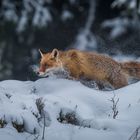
(92, 110)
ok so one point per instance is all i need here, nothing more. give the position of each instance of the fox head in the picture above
(50, 63)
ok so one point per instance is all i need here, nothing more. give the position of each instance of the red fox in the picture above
(89, 66)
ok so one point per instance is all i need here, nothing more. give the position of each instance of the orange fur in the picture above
(90, 66)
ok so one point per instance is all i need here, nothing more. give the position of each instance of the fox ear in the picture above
(55, 53)
(41, 52)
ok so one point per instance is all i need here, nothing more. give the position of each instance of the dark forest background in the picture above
(106, 26)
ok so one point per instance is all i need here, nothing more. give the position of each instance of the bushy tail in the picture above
(132, 68)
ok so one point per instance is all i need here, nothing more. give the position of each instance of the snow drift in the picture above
(66, 110)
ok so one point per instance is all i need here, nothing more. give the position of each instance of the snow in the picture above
(66, 15)
(85, 40)
(33, 9)
(92, 110)
(9, 14)
(118, 26)
(42, 17)
(130, 4)
(121, 24)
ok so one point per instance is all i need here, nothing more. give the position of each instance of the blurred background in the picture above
(105, 26)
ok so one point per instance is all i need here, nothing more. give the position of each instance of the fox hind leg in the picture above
(118, 81)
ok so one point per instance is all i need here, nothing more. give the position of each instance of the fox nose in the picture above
(41, 74)
(37, 73)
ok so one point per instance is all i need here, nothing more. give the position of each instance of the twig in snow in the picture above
(136, 134)
(114, 106)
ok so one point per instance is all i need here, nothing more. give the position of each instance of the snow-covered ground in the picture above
(67, 109)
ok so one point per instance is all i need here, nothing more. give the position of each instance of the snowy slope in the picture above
(91, 108)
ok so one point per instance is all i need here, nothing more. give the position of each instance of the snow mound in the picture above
(67, 110)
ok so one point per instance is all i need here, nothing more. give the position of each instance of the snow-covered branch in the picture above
(86, 39)
(129, 18)
(29, 10)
